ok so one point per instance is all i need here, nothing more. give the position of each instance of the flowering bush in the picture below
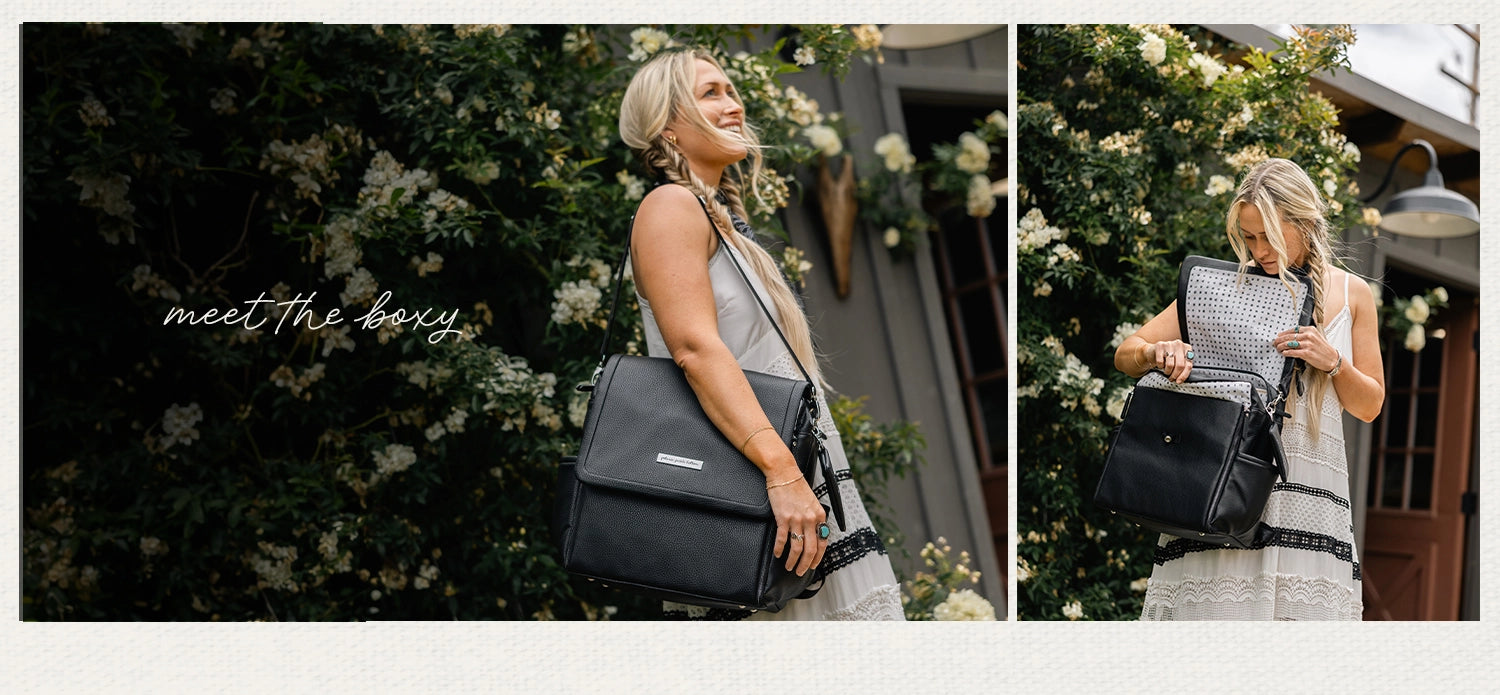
(1132, 139)
(1406, 317)
(941, 594)
(877, 453)
(460, 189)
(961, 172)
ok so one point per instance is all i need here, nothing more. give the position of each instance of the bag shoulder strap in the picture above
(728, 251)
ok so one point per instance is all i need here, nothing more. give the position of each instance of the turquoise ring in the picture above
(1190, 354)
(824, 530)
(1293, 344)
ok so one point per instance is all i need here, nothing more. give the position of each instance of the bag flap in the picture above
(646, 433)
(1232, 321)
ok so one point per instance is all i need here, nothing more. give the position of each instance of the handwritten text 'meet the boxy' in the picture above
(297, 308)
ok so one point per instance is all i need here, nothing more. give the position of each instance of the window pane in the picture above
(1432, 362)
(1394, 478)
(1401, 365)
(981, 332)
(1421, 481)
(1427, 410)
(964, 253)
(992, 403)
(1396, 415)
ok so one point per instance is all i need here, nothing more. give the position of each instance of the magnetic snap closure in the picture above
(1166, 438)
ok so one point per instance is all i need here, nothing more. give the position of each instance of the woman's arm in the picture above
(1360, 382)
(672, 243)
(1157, 344)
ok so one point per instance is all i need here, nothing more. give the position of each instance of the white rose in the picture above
(1442, 294)
(974, 154)
(897, 154)
(1073, 610)
(1153, 48)
(1370, 217)
(1210, 68)
(1218, 185)
(892, 237)
(981, 199)
(1418, 311)
(964, 604)
(824, 138)
(1330, 187)
(1416, 338)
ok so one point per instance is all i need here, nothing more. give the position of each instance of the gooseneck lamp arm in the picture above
(1433, 178)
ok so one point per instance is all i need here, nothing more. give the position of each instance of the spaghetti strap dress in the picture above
(1306, 567)
(858, 581)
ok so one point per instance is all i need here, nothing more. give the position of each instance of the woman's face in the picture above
(1253, 231)
(713, 95)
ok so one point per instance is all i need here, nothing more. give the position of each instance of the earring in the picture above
(672, 139)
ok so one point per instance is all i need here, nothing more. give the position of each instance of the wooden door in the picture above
(1419, 471)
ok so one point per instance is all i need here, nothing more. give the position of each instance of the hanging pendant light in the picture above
(1429, 211)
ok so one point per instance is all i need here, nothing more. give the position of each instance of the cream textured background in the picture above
(672, 658)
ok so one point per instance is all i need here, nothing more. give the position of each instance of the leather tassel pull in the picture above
(834, 497)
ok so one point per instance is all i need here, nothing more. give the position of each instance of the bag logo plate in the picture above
(679, 461)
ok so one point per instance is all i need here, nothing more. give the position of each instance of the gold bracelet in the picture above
(1137, 356)
(789, 482)
(752, 436)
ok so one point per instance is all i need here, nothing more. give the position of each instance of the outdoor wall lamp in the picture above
(1429, 211)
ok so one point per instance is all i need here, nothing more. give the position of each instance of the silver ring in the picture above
(824, 530)
(796, 536)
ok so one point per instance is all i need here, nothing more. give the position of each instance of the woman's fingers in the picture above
(1172, 359)
(797, 517)
(809, 550)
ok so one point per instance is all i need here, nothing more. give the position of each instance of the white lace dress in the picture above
(860, 584)
(1308, 567)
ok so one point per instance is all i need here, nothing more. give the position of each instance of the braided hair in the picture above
(1281, 191)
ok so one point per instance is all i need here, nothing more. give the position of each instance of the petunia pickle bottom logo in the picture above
(297, 309)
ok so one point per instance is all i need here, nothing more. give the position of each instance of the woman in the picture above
(684, 119)
(1308, 569)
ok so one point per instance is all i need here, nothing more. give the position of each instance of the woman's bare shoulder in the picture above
(670, 219)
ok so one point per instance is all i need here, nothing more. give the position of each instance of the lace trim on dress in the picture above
(848, 550)
(1327, 450)
(1309, 490)
(1296, 597)
(702, 613)
(1274, 537)
(882, 603)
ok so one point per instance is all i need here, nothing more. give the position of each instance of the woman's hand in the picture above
(797, 512)
(1172, 358)
(1157, 344)
(1308, 344)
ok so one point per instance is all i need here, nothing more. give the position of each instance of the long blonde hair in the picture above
(1279, 189)
(663, 90)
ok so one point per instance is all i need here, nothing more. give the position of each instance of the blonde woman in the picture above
(1307, 567)
(685, 121)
